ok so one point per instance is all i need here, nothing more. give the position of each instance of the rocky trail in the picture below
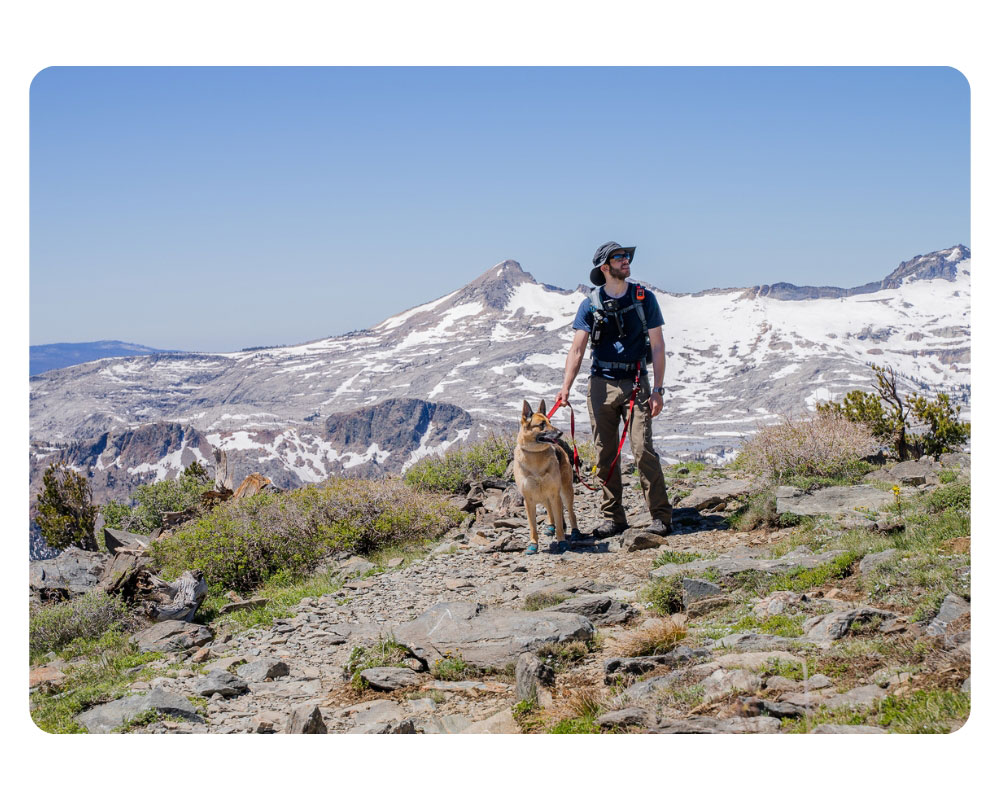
(477, 660)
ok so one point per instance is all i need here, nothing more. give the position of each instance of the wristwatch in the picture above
(658, 390)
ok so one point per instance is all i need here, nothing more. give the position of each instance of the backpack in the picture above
(605, 317)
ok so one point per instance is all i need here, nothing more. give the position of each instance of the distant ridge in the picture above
(44, 357)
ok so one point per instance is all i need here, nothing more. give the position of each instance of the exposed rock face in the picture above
(104, 718)
(172, 636)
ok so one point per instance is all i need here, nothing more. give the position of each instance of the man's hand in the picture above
(655, 404)
(562, 398)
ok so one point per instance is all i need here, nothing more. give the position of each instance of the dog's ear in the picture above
(525, 410)
(541, 407)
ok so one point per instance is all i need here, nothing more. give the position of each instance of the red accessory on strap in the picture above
(621, 443)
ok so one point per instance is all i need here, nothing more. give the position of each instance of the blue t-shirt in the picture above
(631, 346)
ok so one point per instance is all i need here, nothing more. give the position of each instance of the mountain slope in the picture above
(736, 359)
(45, 357)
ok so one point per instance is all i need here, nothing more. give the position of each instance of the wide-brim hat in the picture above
(601, 257)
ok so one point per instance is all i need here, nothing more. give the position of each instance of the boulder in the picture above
(386, 679)
(262, 669)
(778, 603)
(501, 722)
(831, 500)
(172, 636)
(244, 605)
(71, 573)
(712, 725)
(915, 473)
(695, 589)
(722, 682)
(633, 541)
(354, 567)
(116, 540)
(219, 681)
(706, 497)
(642, 664)
(952, 607)
(631, 717)
(746, 642)
(826, 629)
(305, 718)
(530, 673)
(107, 716)
(598, 608)
(487, 637)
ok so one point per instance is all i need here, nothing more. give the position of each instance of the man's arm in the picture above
(573, 360)
(659, 367)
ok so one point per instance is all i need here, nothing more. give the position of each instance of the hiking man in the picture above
(626, 332)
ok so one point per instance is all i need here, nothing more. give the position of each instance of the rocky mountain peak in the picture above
(493, 288)
(939, 264)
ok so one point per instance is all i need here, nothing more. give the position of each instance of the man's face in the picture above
(619, 265)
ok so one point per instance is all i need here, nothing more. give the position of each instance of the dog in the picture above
(544, 474)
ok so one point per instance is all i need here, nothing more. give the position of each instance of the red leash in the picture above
(621, 443)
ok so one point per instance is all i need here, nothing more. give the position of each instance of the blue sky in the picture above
(220, 208)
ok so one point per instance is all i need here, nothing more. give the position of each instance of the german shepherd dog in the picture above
(544, 474)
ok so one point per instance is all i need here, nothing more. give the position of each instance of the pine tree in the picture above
(66, 515)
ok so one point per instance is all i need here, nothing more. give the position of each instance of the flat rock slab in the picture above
(703, 497)
(501, 722)
(722, 682)
(757, 660)
(624, 718)
(634, 541)
(829, 727)
(712, 725)
(642, 664)
(872, 560)
(107, 716)
(244, 605)
(487, 637)
(387, 679)
(172, 636)
(695, 589)
(831, 500)
(825, 630)
(598, 608)
(746, 642)
(861, 696)
(733, 565)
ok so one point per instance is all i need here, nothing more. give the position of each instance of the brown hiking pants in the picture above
(607, 402)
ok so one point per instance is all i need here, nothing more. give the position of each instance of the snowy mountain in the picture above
(736, 359)
(44, 357)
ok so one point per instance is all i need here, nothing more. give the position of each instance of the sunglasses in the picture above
(620, 257)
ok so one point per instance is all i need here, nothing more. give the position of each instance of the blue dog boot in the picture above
(575, 537)
(558, 548)
(550, 530)
(531, 549)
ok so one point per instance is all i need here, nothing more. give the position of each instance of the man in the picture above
(621, 345)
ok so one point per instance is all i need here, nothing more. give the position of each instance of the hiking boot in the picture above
(609, 528)
(659, 527)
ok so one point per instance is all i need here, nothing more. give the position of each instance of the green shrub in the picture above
(460, 465)
(384, 653)
(86, 617)
(945, 432)
(759, 511)
(65, 514)
(954, 495)
(143, 513)
(826, 445)
(802, 579)
(238, 545)
(664, 596)
(539, 600)
(453, 668)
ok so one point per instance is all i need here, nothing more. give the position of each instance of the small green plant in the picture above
(674, 557)
(759, 511)
(802, 579)
(663, 596)
(384, 653)
(954, 495)
(453, 668)
(66, 515)
(775, 624)
(539, 600)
